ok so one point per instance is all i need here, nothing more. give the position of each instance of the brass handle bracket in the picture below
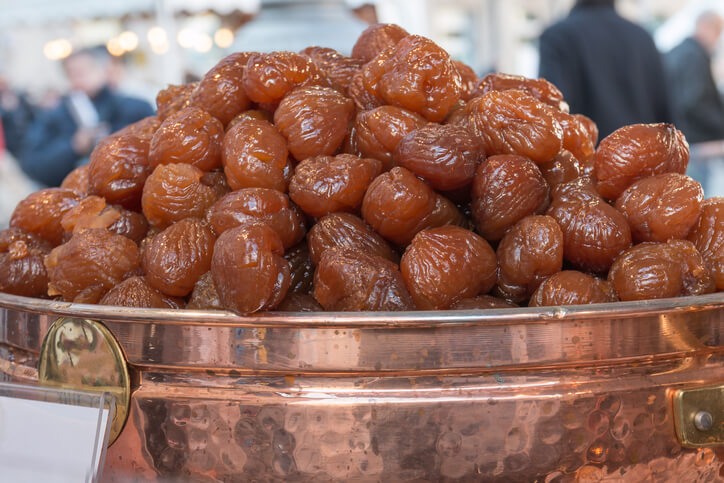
(699, 416)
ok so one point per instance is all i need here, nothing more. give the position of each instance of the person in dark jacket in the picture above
(16, 114)
(61, 139)
(696, 102)
(606, 67)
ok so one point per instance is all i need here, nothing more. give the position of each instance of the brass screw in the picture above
(703, 421)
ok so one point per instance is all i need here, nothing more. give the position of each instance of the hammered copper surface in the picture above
(579, 394)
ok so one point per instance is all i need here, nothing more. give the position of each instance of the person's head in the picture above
(709, 25)
(88, 70)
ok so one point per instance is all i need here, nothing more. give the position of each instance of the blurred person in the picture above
(61, 139)
(607, 67)
(16, 114)
(696, 102)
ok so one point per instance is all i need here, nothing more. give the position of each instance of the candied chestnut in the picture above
(136, 292)
(42, 212)
(528, 253)
(364, 99)
(415, 74)
(301, 269)
(446, 264)
(90, 264)
(33, 241)
(561, 169)
(482, 302)
(249, 114)
(571, 287)
(174, 192)
(661, 207)
(22, 271)
(512, 122)
(594, 232)
(314, 120)
(176, 258)
(93, 212)
(576, 137)
(255, 155)
(269, 77)
(506, 188)
(345, 230)
(352, 281)
(398, 204)
(221, 92)
(708, 237)
(377, 132)
(637, 151)
(190, 136)
(249, 269)
(77, 180)
(445, 156)
(299, 302)
(375, 39)
(204, 296)
(326, 184)
(258, 204)
(469, 80)
(173, 98)
(338, 69)
(540, 88)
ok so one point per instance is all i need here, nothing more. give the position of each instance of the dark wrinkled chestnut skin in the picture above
(352, 281)
(570, 287)
(468, 80)
(175, 259)
(707, 235)
(375, 39)
(42, 212)
(506, 188)
(299, 302)
(398, 204)
(376, 133)
(77, 180)
(653, 270)
(220, 92)
(22, 271)
(93, 212)
(482, 302)
(528, 253)
(249, 269)
(326, 184)
(136, 292)
(414, 74)
(173, 98)
(446, 264)
(269, 77)
(190, 136)
(636, 151)
(258, 204)
(337, 68)
(512, 122)
(561, 169)
(540, 88)
(661, 207)
(90, 264)
(345, 230)
(445, 156)
(204, 296)
(594, 232)
(301, 269)
(255, 155)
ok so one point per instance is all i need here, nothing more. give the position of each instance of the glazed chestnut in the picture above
(77, 180)
(136, 292)
(204, 295)
(375, 39)
(564, 167)
(469, 80)
(22, 271)
(707, 235)
(173, 98)
(190, 136)
(541, 89)
(345, 230)
(336, 67)
(570, 287)
(301, 269)
(93, 212)
(42, 212)
(220, 92)
(269, 77)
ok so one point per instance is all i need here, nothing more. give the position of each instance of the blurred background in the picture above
(153, 43)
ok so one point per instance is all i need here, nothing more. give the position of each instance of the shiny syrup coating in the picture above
(512, 122)
(696, 276)
(255, 155)
(221, 92)
(338, 68)
(204, 296)
(398, 204)
(528, 253)
(364, 99)
(175, 259)
(345, 230)
(468, 80)
(571, 287)
(77, 180)
(327, 184)
(482, 302)
(93, 212)
(415, 74)
(576, 137)
(313, 120)
(173, 98)
(41, 213)
(707, 235)
(174, 192)
(661, 207)
(299, 302)
(249, 269)
(637, 151)
(259, 204)
(377, 132)
(594, 232)
(94, 261)
(445, 156)
(353, 281)
(136, 292)
(564, 167)
(376, 38)
(301, 269)
(8, 236)
(269, 77)
(249, 114)
(22, 271)
(190, 136)
(446, 264)
(506, 188)
(540, 88)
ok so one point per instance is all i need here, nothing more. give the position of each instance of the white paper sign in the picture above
(50, 442)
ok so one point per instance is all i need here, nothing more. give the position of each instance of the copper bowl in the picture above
(547, 394)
